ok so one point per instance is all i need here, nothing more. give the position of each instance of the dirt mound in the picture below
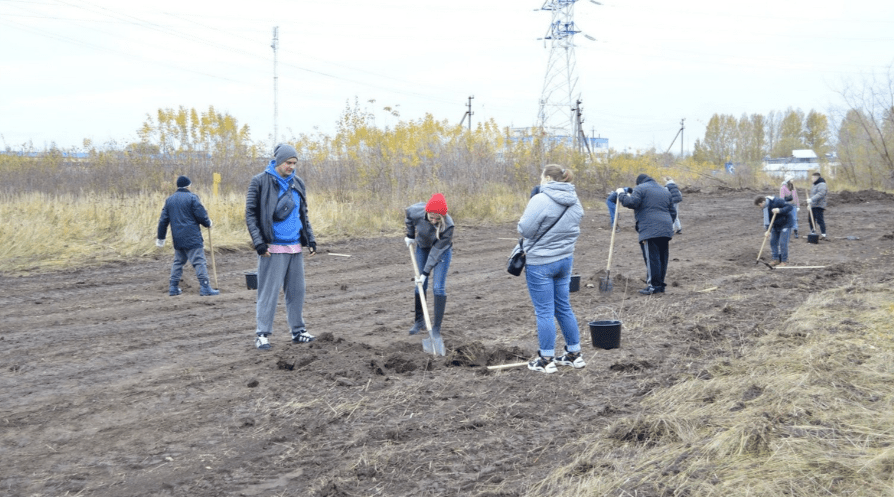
(859, 197)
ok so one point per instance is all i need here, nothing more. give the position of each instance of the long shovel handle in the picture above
(766, 235)
(810, 214)
(213, 265)
(421, 291)
(611, 243)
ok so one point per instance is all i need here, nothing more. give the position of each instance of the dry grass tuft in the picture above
(806, 410)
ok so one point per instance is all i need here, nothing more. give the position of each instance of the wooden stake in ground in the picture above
(213, 265)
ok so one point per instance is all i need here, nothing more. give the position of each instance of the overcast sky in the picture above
(94, 69)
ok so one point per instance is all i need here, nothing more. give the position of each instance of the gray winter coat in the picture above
(654, 207)
(423, 232)
(818, 193)
(676, 194)
(543, 209)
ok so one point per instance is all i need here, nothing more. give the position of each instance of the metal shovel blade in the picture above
(434, 346)
(605, 284)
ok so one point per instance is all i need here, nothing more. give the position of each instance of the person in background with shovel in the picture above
(789, 193)
(817, 204)
(430, 231)
(276, 218)
(611, 202)
(780, 213)
(550, 227)
(653, 206)
(184, 212)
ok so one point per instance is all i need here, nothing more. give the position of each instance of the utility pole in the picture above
(580, 137)
(681, 137)
(275, 46)
(468, 113)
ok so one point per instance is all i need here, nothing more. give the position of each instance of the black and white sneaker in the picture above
(262, 343)
(303, 337)
(573, 359)
(543, 365)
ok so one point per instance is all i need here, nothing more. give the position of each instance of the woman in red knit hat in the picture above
(430, 230)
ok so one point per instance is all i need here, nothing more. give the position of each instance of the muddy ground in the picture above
(110, 387)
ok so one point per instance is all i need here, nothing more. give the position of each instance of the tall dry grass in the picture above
(807, 411)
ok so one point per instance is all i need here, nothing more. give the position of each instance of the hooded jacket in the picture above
(654, 208)
(785, 217)
(424, 233)
(542, 211)
(818, 193)
(184, 212)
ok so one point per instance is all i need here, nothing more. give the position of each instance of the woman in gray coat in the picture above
(550, 227)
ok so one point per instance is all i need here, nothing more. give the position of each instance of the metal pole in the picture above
(275, 45)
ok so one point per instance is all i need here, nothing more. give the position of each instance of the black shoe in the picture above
(679, 232)
(796, 234)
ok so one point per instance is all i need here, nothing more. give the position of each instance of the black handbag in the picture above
(517, 258)
(284, 206)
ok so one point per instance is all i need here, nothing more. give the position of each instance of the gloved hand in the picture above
(809, 201)
(629, 190)
(312, 248)
(775, 210)
(261, 249)
(210, 224)
(420, 280)
(620, 191)
(410, 241)
(797, 209)
(160, 242)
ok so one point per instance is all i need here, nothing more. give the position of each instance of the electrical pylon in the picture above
(556, 116)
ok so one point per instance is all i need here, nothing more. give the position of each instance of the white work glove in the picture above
(160, 242)
(620, 191)
(797, 209)
(210, 223)
(809, 201)
(775, 210)
(410, 241)
(420, 280)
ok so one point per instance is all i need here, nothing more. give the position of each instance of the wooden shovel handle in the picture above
(421, 291)
(766, 235)
(611, 243)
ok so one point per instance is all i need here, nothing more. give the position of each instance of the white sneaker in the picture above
(262, 343)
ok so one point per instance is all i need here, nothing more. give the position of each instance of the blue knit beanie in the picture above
(183, 181)
(284, 152)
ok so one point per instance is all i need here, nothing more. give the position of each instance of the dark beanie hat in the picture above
(183, 181)
(284, 152)
(641, 178)
(437, 204)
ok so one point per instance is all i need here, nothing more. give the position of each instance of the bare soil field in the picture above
(110, 387)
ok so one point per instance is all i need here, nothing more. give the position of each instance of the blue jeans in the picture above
(438, 273)
(611, 212)
(779, 243)
(548, 286)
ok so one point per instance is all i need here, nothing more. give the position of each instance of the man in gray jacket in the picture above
(653, 206)
(276, 217)
(817, 204)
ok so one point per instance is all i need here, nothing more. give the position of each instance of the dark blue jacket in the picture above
(654, 207)
(184, 212)
(784, 219)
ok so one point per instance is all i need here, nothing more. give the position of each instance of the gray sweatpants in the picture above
(275, 273)
(196, 257)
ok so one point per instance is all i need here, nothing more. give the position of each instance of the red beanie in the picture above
(437, 204)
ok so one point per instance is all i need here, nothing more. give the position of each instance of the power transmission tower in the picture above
(275, 46)
(556, 116)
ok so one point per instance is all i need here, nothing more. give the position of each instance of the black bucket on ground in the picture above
(574, 284)
(813, 238)
(251, 280)
(606, 334)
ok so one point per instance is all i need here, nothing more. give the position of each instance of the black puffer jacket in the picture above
(184, 212)
(653, 205)
(260, 202)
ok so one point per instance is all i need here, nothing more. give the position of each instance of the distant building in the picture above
(801, 164)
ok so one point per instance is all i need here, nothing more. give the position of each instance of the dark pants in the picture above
(656, 254)
(818, 217)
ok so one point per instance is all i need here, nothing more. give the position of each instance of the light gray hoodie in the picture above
(543, 209)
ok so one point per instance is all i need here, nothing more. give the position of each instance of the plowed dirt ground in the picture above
(110, 387)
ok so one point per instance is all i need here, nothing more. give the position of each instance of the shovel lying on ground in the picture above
(605, 284)
(766, 235)
(430, 345)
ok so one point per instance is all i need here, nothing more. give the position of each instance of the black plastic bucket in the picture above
(574, 284)
(251, 280)
(606, 334)
(813, 238)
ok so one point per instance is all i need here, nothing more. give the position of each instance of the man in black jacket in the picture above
(653, 206)
(184, 212)
(782, 225)
(276, 217)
